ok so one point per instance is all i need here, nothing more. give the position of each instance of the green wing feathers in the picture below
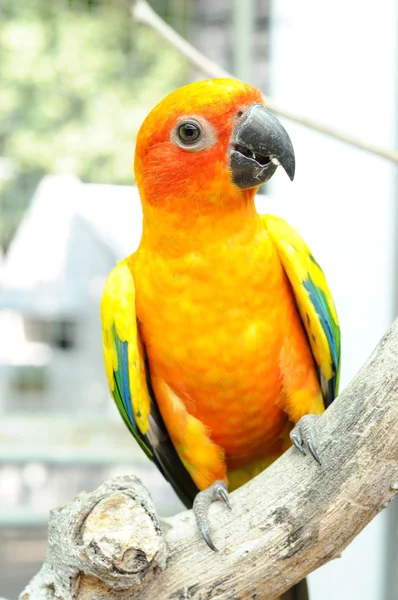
(314, 301)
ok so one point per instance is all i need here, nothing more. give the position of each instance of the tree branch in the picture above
(288, 521)
(145, 15)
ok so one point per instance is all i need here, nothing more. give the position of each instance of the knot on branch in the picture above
(109, 540)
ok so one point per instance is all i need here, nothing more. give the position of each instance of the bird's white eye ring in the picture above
(193, 133)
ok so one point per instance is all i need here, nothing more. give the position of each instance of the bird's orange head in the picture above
(210, 143)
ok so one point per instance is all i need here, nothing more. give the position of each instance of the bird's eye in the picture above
(189, 133)
(193, 134)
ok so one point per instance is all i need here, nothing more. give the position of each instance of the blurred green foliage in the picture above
(77, 78)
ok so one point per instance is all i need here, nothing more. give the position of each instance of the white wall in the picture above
(337, 62)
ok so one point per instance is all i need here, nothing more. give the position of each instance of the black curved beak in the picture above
(259, 145)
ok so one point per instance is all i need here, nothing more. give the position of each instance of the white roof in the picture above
(38, 252)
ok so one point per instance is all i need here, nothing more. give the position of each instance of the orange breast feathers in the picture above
(215, 324)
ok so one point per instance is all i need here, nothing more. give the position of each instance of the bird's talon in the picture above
(314, 453)
(208, 540)
(222, 494)
(298, 442)
(201, 505)
(302, 436)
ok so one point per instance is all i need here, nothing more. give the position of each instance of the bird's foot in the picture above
(201, 505)
(302, 436)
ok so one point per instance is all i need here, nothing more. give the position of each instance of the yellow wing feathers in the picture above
(314, 300)
(123, 352)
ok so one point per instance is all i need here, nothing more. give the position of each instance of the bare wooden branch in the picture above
(143, 13)
(285, 523)
(103, 543)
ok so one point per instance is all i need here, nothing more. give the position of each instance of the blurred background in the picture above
(77, 78)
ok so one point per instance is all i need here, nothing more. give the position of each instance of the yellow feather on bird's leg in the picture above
(220, 332)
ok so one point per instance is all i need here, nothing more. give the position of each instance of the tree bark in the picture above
(288, 521)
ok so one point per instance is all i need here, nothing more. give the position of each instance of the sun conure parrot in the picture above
(220, 334)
